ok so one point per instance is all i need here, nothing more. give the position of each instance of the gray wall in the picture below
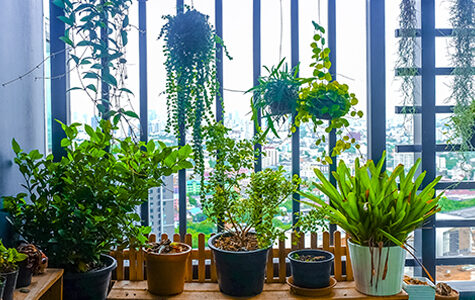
(22, 103)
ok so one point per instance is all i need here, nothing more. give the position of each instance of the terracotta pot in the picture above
(166, 272)
(439, 297)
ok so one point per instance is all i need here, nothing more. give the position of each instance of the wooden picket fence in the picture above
(202, 254)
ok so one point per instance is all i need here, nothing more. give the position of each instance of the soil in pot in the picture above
(10, 283)
(93, 284)
(443, 291)
(311, 269)
(166, 267)
(240, 269)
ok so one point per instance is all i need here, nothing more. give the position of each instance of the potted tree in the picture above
(275, 95)
(9, 259)
(244, 205)
(79, 208)
(166, 266)
(378, 214)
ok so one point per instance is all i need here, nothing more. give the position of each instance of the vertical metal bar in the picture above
(59, 100)
(294, 43)
(105, 64)
(218, 10)
(256, 62)
(181, 173)
(144, 209)
(376, 78)
(428, 123)
(332, 45)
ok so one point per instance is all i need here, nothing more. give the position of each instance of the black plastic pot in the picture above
(240, 274)
(89, 285)
(311, 274)
(2, 285)
(10, 284)
(24, 277)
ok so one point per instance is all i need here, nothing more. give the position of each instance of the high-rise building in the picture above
(161, 209)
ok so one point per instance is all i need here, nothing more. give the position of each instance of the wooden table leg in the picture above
(55, 292)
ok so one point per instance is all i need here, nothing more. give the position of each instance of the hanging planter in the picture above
(190, 50)
(325, 99)
(462, 123)
(276, 95)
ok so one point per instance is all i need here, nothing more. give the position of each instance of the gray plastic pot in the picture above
(240, 274)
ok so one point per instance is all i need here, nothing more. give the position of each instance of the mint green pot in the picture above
(361, 263)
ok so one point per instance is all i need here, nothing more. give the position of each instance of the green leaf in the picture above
(66, 20)
(66, 40)
(108, 78)
(16, 148)
(131, 114)
(59, 3)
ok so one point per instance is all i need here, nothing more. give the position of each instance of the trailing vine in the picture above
(407, 51)
(190, 50)
(96, 34)
(326, 99)
(462, 122)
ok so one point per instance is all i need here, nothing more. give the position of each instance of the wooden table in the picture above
(47, 286)
(125, 290)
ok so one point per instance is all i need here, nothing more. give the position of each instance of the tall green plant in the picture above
(373, 206)
(84, 205)
(243, 201)
(462, 122)
(190, 50)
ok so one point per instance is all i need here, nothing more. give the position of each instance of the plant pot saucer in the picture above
(321, 292)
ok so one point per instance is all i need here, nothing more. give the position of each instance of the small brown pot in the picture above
(455, 297)
(166, 272)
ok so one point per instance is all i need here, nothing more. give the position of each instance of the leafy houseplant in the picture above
(191, 76)
(326, 99)
(462, 122)
(275, 95)
(378, 216)
(245, 204)
(77, 209)
(9, 259)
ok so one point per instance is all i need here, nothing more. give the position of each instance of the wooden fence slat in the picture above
(293, 241)
(349, 268)
(270, 266)
(119, 256)
(140, 264)
(164, 236)
(132, 264)
(176, 238)
(301, 244)
(313, 240)
(214, 275)
(282, 267)
(338, 254)
(189, 266)
(201, 257)
(326, 241)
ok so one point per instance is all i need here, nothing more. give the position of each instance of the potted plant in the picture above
(244, 205)
(9, 259)
(311, 268)
(418, 288)
(443, 291)
(275, 95)
(79, 208)
(326, 101)
(30, 266)
(378, 214)
(166, 266)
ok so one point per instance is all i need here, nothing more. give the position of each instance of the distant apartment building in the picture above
(161, 208)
